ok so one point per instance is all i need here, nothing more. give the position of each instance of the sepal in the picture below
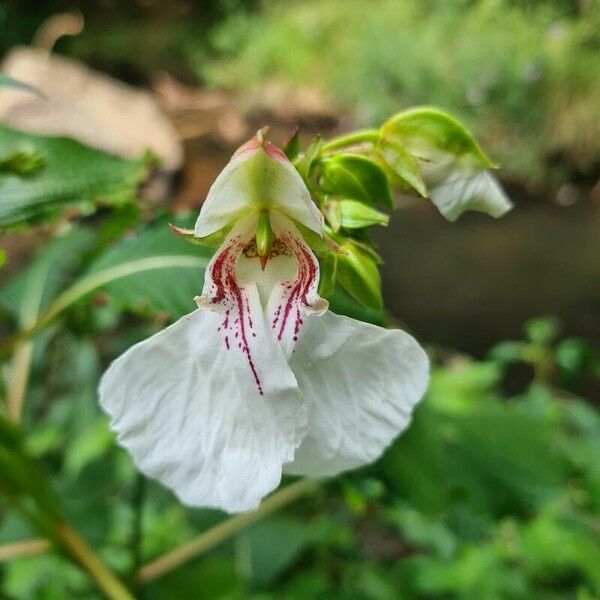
(355, 177)
(401, 165)
(213, 240)
(358, 274)
(427, 131)
(356, 215)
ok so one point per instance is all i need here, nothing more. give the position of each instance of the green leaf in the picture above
(542, 330)
(355, 177)
(355, 215)
(273, 546)
(23, 163)
(402, 164)
(21, 478)
(358, 274)
(153, 271)
(32, 290)
(427, 131)
(508, 351)
(72, 173)
(90, 445)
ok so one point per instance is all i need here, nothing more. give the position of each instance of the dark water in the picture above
(474, 282)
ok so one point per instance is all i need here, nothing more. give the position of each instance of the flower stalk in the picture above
(223, 531)
(351, 139)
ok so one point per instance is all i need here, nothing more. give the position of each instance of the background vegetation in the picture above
(493, 493)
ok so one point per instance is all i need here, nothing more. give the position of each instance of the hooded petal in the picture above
(259, 176)
(183, 405)
(463, 190)
(361, 383)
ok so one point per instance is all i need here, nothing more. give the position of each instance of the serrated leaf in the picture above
(72, 173)
(355, 177)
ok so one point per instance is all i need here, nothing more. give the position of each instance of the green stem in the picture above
(223, 531)
(23, 548)
(351, 139)
(19, 375)
(79, 550)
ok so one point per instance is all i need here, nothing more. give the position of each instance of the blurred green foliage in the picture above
(524, 76)
(485, 496)
(491, 494)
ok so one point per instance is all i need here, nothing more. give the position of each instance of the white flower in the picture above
(262, 379)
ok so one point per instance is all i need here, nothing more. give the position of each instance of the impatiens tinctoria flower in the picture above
(262, 378)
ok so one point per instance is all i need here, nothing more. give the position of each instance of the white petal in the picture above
(293, 299)
(183, 405)
(259, 176)
(361, 383)
(463, 190)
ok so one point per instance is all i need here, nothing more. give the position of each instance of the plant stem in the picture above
(223, 531)
(21, 363)
(350, 139)
(19, 375)
(23, 548)
(80, 551)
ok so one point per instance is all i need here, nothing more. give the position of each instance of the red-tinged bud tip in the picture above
(263, 262)
(260, 141)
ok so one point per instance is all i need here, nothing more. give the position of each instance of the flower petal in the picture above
(462, 190)
(259, 176)
(183, 405)
(293, 298)
(361, 383)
